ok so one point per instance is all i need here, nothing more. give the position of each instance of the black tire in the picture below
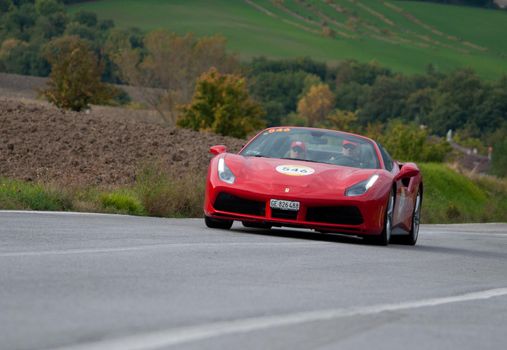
(217, 223)
(385, 236)
(256, 225)
(411, 238)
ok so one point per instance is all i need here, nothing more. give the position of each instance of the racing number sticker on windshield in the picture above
(270, 131)
(295, 170)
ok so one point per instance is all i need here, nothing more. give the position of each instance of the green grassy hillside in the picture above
(403, 35)
(450, 197)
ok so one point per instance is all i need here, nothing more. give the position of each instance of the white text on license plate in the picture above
(284, 205)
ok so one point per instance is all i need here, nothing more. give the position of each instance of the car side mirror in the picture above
(218, 149)
(408, 170)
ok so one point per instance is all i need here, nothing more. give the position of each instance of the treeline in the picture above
(459, 100)
(374, 100)
(27, 26)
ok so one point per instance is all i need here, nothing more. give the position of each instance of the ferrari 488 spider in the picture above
(325, 180)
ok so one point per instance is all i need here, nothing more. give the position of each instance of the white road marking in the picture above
(73, 213)
(427, 233)
(487, 228)
(171, 337)
(156, 246)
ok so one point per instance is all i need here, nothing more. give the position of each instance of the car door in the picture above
(402, 205)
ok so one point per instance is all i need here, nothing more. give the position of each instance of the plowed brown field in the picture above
(39, 142)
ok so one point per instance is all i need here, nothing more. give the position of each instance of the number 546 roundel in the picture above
(320, 179)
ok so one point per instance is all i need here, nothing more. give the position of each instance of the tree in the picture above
(81, 30)
(316, 104)
(5, 6)
(221, 104)
(166, 67)
(341, 120)
(351, 96)
(48, 7)
(361, 73)
(498, 140)
(278, 92)
(386, 98)
(492, 112)
(19, 20)
(457, 100)
(418, 104)
(75, 75)
(86, 18)
(409, 142)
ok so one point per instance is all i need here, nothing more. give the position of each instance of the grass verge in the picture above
(157, 192)
(15, 194)
(449, 196)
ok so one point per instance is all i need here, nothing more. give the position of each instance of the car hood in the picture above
(277, 175)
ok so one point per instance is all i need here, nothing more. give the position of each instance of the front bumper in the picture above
(351, 215)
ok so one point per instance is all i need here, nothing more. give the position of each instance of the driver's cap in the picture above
(299, 144)
(349, 144)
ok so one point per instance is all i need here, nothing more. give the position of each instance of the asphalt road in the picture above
(73, 281)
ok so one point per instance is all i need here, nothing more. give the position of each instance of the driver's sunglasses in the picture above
(297, 149)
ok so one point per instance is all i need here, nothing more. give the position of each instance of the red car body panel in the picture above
(258, 180)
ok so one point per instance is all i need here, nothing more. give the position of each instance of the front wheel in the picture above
(217, 223)
(385, 236)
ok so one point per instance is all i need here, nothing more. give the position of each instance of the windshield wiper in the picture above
(258, 156)
(304, 160)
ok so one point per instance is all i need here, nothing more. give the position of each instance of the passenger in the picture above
(350, 150)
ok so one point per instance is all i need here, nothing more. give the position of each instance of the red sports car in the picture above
(319, 179)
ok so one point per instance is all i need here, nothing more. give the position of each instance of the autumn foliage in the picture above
(317, 104)
(221, 104)
(75, 80)
(166, 65)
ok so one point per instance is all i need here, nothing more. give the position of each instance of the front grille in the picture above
(342, 215)
(234, 204)
(284, 214)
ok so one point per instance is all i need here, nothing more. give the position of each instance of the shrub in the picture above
(16, 194)
(169, 194)
(409, 142)
(123, 202)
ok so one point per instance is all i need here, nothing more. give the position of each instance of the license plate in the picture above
(284, 205)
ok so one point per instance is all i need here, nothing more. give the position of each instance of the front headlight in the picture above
(361, 187)
(224, 173)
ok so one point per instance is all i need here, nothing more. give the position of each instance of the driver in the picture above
(350, 150)
(297, 150)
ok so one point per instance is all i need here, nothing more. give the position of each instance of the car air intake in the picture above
(234, 204)
(284, 214)
(342, 215)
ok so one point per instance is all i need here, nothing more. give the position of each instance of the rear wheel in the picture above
(217, 223)
(411, 238)
(385, 236)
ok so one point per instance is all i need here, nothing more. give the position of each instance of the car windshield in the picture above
(314, 145)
